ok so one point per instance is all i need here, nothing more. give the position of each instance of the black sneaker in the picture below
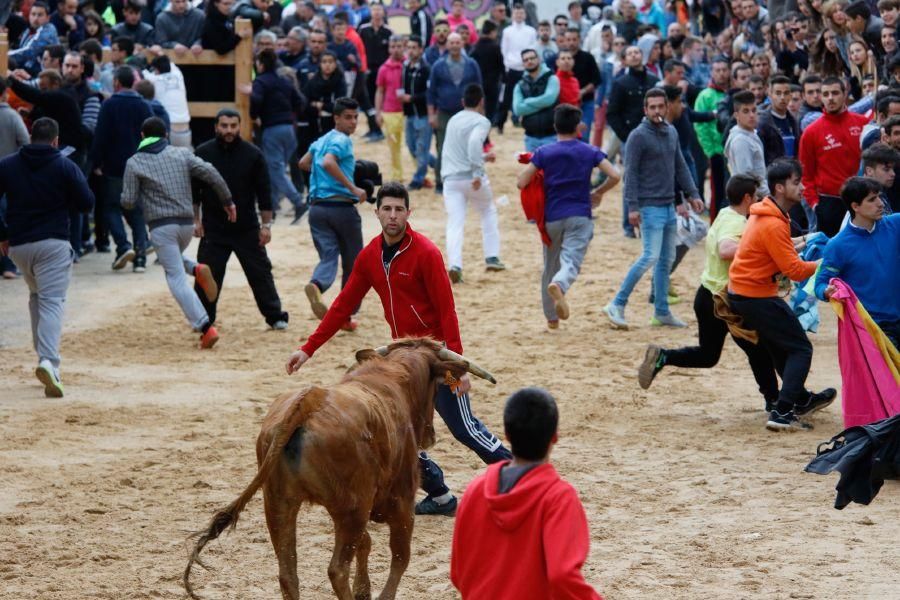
(123, 259)
(494, 264)
(414, 186)
(439, 189)
(816, 402)
(429, 507)
(103, 249)
(140, 264)
(771, 403)
(786, 422)
(654, 361)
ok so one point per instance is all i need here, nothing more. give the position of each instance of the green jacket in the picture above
(707, 133)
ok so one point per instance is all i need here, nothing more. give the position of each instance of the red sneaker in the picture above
(209, 339)
(427, 184)
(204, 277)
(350, 325)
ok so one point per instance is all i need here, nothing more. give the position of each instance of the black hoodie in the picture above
(41, 187)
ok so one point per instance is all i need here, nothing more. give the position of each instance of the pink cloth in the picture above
(390, 77)
(455, 22)
(870, 391)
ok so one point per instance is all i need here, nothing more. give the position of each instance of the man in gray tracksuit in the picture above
(158, 177)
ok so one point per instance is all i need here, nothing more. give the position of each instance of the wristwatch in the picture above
(266, 225)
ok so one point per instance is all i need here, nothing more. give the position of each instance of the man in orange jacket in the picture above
(520, 530)
(765, 256)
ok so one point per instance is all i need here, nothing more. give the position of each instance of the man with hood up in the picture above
(43, 188)
(520, 530)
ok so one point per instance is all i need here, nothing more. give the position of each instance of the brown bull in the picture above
(352, 448)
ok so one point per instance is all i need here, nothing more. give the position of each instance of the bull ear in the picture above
(364, 355)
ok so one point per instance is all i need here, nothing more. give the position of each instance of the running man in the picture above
(407, 271)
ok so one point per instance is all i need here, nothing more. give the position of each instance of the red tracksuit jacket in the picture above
(829, 153)
(414, 290)
(527, 543)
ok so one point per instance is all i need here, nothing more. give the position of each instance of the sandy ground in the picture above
(686, 494)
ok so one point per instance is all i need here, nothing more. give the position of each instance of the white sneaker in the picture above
(48, 375)
(616, 315)
(279, 325)
(669, 320)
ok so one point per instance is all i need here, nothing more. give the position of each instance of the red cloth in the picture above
(830, 153)
(354, 38)
(532, 197)
(417, 299)
(530, 542)
(569, 90)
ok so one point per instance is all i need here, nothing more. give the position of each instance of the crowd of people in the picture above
(789, 118)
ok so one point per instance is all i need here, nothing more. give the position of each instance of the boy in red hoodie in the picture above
(569, 90)
(520, 530)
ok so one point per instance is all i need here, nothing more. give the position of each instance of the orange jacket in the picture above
(766, 250)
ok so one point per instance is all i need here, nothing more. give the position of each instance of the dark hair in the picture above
(415, 40)
(757, 78)
(796, 87)
(227, 112)
(340, 16)
(780, 80)
(743, 98)
(574, 30)
(654, 93)
(809, 79)
(472, 95)
(832, 80)
(125, 44)
(855, 190)
(566, 118)
(544, 23)
(153, 127)
(673, 92)
(41, 4)
(858, 9)
(884, 104)
(125, 76)
(441, 22)
(739, 66)
(530, 420)
(528, 51)
(740, 185)
(671, 64)
(720, 60)
(161, 64)
(781, 170)
(56, 51)
(880, 153)
(488, 27)
(44, 131)
(344, 104)
(892, 122)
(267, 59)
(392, 189)
(134, 5)
(146, 89)
(91, 47)
(2, 85)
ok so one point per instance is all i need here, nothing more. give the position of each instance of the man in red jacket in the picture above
(408, 274)
(829, 153)
(521, 531)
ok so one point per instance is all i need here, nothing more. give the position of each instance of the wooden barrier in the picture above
(241, 58)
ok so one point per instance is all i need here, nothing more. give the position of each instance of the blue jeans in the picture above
(278, 145)
(587, 115)
(418, 141)
(658, 234)
(465, 427)
(112, 190)
(532, 142)
(336, 233)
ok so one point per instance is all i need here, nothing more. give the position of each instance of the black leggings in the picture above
(712, 332)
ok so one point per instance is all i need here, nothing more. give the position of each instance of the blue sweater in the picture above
(275, 100)
(118, 131)
(42, 188)
(869, 263)
(442, 93)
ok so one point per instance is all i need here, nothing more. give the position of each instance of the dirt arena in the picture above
(686, 494)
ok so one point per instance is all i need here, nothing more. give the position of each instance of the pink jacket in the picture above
(870, 365)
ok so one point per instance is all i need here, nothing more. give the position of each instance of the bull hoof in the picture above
(362, 596)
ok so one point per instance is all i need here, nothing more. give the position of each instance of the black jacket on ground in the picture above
(275, 100)
(625, 109)
(489, 57)
(243, 167)
(42, 187)
(60, 106)
(218, 33)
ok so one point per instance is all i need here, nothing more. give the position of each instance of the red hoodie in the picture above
(527, 543)
(569, 89)
(414, 290)
(829, 153)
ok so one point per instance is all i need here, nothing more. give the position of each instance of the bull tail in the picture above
(227, 518)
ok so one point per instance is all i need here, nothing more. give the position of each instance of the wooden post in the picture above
(243, 74)
(4, 53)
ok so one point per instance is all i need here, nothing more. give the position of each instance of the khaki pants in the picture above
(393, 131)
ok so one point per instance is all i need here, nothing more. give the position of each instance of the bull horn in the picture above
(382, 350)
(470, 366)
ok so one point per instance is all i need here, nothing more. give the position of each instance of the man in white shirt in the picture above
(516, 37)
(462, 171)
(172, 94)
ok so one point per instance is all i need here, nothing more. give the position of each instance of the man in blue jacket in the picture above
(449, 76)
(866, 256)
(42, 187)
(116, 139)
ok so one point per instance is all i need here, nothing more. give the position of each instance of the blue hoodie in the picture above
(42, 188)
(869, 263)
(118, 131)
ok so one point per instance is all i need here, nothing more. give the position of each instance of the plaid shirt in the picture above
(161, 181)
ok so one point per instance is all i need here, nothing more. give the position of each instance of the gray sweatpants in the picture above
(46, 267)
(170, 242)
(569, 240)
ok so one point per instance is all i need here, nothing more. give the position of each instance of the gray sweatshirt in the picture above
(13, 134)
(745, 155)
(184, 29)
(653, 161)
(159, 177)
